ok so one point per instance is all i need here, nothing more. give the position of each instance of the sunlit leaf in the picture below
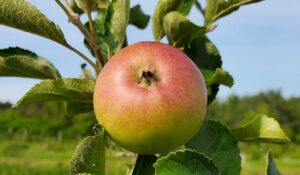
(87, 5)
(110, 25)
(162, 8)
(216, 9)
(117, 20)
(69, 90)
(220, 76)
(179, 30)
(22, 15)
(19, 62)
(261, 129)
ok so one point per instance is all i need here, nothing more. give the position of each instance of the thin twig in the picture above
(84, 57)
(96, 49)
(72, 48)
(75, 19)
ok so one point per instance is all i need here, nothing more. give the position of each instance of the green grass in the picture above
(50, 157)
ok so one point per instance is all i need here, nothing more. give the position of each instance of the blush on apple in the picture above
(150, 98)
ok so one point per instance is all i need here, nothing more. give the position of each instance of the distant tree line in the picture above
(236, 110)
(49, 119)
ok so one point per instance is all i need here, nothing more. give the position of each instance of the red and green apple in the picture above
(150, 98)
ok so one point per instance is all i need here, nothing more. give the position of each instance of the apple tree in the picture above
(212, 149)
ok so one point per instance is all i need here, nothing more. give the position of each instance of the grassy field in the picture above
(18, 157)
(50, 157)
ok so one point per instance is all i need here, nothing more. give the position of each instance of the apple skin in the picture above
(155, 117)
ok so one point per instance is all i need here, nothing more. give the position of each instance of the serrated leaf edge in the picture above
(183, 151)
(19, 102)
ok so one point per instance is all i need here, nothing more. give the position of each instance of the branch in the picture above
(84, 57)
(75, 19)
(94, 45)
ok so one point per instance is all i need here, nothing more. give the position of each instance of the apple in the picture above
(150, 98)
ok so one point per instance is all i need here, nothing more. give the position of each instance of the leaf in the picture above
(220, 76)
(117, 20)
(144, 165)
(138, 18)
(75, 7)
(217, 142)
(19, 62)
(74, 108)
(93, 129)
(103, 4)
(208, 59)
(261, 129)
(179, 30)
(204, 53)
(162, 8)
(89, 156)
(271, 166)
(216, 9)
(69, 90)
(185, 162)
(110, 25)
(100, 21)
(86, 73)
(22, 15)
(87, 5)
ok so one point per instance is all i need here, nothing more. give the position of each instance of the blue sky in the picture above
(260, 46)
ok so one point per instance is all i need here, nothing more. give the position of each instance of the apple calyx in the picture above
(148, 78)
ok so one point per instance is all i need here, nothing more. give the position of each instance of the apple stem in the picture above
(148, 78)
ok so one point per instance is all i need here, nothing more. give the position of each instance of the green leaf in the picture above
(87, 5)
(138, 18)
(208, 59)
(74, 108)
(110, 25)
(185, 162)
(216, 9)
(93, 129)
(75, 7)
(103, 4)
(220, 76)
(162, 8)
(22, 15)
(117, 20)
(179, 30)
(271, 167)
(261, 129)
(100, 21)
(144, 165)
(217, 142)
(69, 90)
(19, 62)
(89, 156)
(204, 53)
